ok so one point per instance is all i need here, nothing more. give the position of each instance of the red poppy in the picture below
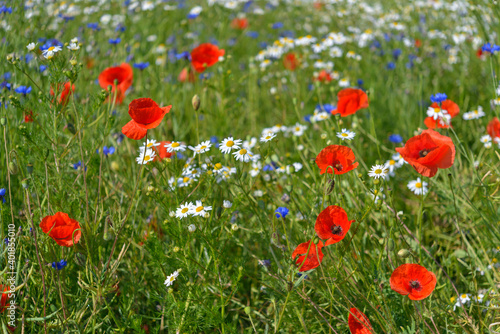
(418, 43)
(205, 55)
(161, 151)
(413, 280)
(358, 322)
(66, 92)
(493, 128)
(28, 116)
(448, 105)
(186, 75)
(428, 151)
(336, 158)
(122, 74)
(311, 261)
(239, 23)
(323, 76)
(332, 224)
(62, 229)
(4, 290)
(146, 114)
(351, 100)
(290, 61)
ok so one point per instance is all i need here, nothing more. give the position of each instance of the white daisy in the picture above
(297, 166)
(229, 144)
(346, 134)
(486, 140)
(184, 210)
(199, 209)
(145, 156)
(298, 129)
(436, 113)
(243, 155)
(73, 46)
(50, 52)
(267, 137)
(150, 144)
(399, 159)
(418, 187)
(391, 165)
(175, 146)
(201, 148)
(31, 46)
(185, 181)
(192, 228)
(256, 167)
(170, 279)
(378, 171)
(227, 204)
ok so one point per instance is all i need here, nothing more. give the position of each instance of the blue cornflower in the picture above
(263, 45)
(490, 48)
(376, 44)
(247, 5)
(5, 85)
(360, 83)
(307, 118)
(438, 97)
(7, 75)
(252, 34)
(391, 65)
(141, 66)
(184, 55)
(59, 265)
(3, 191)
(270, 167)
(396, 53)
(23, 90)
(326, 107)
(42, 68)
(204, 76)
(277, 25)
(115, 40)
(281, 212)
(120, 28)
(6, 240)
(395, 138)
(93, 26)
(106, 151)
(265, 263)
(77, 165)
(300, 275)
(5, 9)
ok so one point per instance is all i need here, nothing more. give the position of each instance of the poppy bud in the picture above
(196, 102)
(73, 62)
(403, 253)
(13, 168)
(248, 310)
(316, 240)
(3, 120)
(29, 168)
(381, 241)
(330, 186)
(234, 227)
(25, 183)
(376, 181)
(390, 244)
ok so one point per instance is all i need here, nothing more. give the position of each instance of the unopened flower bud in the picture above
(196, 102)
(403, 253)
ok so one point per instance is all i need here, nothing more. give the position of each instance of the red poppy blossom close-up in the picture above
(332, 224)
(428, 151)
(146, 114)
(336, 158)
(311, 262)
(493, 128)
(67, 90)
(239, 23)
(351, 100)
(358, 322)
(290, 61)
(62, 229)
(123, 75)
(205, 55)
(451, 107)
(413, 280)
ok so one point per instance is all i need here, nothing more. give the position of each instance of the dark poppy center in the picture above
(337, 165)
(337, 230)
(415, 285)
(423, 153)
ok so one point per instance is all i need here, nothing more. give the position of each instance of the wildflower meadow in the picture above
(282, 166)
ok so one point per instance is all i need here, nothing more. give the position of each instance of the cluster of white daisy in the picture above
(466, 299)
(196, 209)
(474, 114)
(147, 152)
(51, 51)
(488, 141)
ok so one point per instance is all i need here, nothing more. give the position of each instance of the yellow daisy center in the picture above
(51, 48)
(185, 179)
(230, 143)
(200, 208)
(378, 171)
(418, 185)
(243, 151)
(185, 210)
(175, 145)
(392, 162)
(218, 165)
